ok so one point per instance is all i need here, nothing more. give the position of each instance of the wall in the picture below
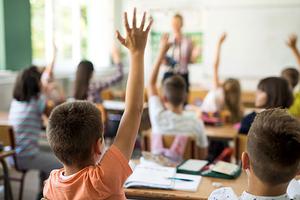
(16, 50)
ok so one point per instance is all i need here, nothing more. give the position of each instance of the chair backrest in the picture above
(7, 137)
(241, 145)
(190, 149)
(107, 94)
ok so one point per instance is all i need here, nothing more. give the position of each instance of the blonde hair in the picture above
(232, 99)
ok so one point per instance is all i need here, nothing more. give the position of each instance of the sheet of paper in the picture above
(151, 176)
(225, 168)
(193, 165)
(191, 186)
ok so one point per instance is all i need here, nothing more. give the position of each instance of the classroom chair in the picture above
(190, 149)
(241, 145)
(7, 137)
(107, 94)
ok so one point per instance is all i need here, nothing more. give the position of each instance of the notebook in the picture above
(191, 166)
(159, 177)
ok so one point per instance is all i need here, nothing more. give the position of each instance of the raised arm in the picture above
(164, 46)
(216, 80)
(47, 75)
(135, 41)
(292, 44)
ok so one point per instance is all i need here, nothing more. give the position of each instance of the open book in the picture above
(150, 176)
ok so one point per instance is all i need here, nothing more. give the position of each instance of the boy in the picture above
(172, 119)
(292, 75)
(272, 159)
(75, 135)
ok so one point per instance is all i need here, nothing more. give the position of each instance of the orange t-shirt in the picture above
(103, 181)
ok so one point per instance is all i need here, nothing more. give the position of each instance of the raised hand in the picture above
(292, 41)
(222, 38)
(164, 43)
(136, 38)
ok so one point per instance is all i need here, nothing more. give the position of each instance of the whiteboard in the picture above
(255, 46)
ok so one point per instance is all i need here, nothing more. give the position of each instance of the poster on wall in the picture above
(192, 28)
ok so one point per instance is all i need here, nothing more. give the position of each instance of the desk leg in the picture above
(7, 187)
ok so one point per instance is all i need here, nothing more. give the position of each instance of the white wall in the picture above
(257, 30)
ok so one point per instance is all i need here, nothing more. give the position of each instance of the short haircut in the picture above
(291, 75)
(274, 146)
(279, 93)
(28, 84)
(174, 89)
(72, 131)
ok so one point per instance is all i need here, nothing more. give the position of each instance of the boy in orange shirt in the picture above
(76, 136)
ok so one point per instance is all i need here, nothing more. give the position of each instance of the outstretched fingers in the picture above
(143, 22)
(149, 25)
(120, 38)
(126, 22)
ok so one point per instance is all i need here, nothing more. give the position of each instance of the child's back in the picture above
(75, 134)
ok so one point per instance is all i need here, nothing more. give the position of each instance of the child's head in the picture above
(28, 84)
(232, 97)
(291, 75)
(177, 23)
(273, 92)
(84, 74)
(75, 133)
(273, 147)
(174, 90)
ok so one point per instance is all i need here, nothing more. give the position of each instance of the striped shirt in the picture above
(26, 119)
(96, 87)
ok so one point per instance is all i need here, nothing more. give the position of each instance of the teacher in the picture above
(181, 53)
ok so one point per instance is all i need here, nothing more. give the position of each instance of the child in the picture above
(272, 158)
(25, 115)
(292, 76)
(223, 96)
(52, 90)
(86, 89)
(76, 137)
(169, 117)
(272, 92)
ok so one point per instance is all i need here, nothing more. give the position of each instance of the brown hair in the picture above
(27, 85)
(174, 89)
(291, 75)
(72, 131)
(232, 97)
(84, 73)
(274, 145)
(279, 94)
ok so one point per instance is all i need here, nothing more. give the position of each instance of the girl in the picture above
(224, 96)
(272, 92)
(25, 115)
(86, 89)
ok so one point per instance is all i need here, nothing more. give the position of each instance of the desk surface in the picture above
(226, 132)
(204, 190)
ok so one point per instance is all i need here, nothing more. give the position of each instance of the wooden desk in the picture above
(7, 187)
(226, 132)
(204, 190)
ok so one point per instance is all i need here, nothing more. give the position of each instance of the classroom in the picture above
(150, 100)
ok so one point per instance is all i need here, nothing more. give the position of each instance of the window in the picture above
(68, 24)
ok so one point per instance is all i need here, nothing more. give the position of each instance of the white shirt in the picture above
(213, 101)
(164, 121)
(293, 193)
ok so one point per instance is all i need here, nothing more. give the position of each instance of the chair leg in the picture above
(22, 185)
